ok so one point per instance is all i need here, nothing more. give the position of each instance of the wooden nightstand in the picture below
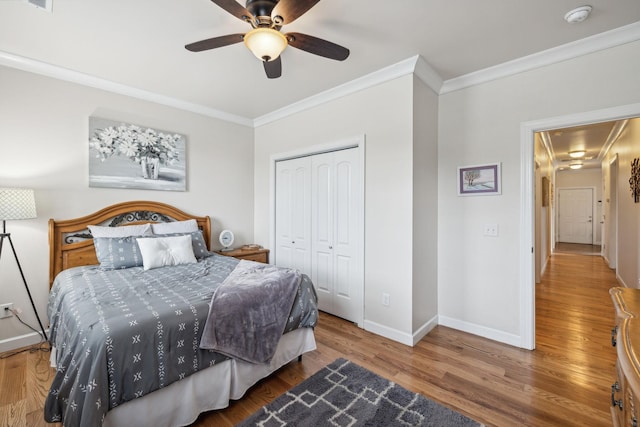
(258, 255)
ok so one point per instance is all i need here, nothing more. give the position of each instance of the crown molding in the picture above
(415, 64)
(386, 74)
(428, 75)
(60, 73)
(608, 39)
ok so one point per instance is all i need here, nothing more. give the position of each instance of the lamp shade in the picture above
(265, 43)
(17, 203)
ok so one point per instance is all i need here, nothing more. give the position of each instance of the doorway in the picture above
(527, 203)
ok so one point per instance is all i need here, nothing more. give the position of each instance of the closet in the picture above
(319, 220)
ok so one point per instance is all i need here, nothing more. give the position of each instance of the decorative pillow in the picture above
(197, 239)
(124, 231)
(117, 252)
(163, 251)
(175, 227)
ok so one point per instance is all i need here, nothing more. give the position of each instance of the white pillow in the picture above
(98, 231)
(175, 227)
(163, 251)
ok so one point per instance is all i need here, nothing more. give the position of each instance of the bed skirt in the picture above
(180, 403)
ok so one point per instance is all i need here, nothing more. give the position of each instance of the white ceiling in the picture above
(595, 139)
(140, 43)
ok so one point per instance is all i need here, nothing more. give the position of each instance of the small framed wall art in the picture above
(479, 180)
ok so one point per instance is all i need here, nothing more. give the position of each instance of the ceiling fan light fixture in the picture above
(576, 165)
(265, 43)
(577, 153)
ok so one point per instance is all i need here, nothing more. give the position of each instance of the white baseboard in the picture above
(425, 329)
(387, 332)
(14, 343)
(399, 336)
(482, 331)
(622, 282)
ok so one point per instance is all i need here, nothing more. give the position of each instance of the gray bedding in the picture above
(122, 334)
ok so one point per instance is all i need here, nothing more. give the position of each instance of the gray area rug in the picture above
(345, 394)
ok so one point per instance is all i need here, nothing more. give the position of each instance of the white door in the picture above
(293, 214)
(575, 215)
(336, 220)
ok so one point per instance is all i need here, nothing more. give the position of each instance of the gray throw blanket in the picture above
(249, 310)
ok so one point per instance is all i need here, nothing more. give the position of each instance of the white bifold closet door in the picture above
(293, 214)
(335, 216)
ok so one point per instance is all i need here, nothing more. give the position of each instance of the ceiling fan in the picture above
(265, 40)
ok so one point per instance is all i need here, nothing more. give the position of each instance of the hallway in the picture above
(574, 317)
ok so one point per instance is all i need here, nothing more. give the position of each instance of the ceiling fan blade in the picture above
(273, 68)
(290, 10)
(235, 8)
(215, 42)
(317, 46)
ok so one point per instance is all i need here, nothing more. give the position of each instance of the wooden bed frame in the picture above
(71, 244)
(179, 403)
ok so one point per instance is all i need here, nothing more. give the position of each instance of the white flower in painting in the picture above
(147, 138)
(135, 143)
(129, 148)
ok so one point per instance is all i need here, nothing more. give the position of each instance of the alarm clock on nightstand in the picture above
(226, 239)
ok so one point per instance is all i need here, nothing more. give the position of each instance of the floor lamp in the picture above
(18, 203)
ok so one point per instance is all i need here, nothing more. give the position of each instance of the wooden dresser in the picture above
(625, 337)
(258, 255)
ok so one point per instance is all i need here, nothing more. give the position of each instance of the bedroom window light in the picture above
(16, 204)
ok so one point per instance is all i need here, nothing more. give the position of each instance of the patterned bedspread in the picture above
(122, 334)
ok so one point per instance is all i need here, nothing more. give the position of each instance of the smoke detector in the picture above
(578, 14)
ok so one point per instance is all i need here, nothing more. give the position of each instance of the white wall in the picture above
(479, 277)
(43, 141)
(425, 214)
(384, 115)
(627, 148)
(585, 178)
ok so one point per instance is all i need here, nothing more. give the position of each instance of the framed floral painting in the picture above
(124, 155)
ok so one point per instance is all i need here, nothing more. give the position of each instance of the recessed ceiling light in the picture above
(577, 153)
(578, 14)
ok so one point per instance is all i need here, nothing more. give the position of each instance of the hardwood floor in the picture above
(566, 381)
(577, 248)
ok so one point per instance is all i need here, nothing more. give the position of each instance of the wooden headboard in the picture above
(71, 244)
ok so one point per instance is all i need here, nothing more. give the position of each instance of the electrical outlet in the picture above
(385, 299)
(5, 310)
(490, 230)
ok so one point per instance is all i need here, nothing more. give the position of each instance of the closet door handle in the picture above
(330, 247)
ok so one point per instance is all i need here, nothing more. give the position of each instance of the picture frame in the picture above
(130, 156)
(480, 180)
(545, 191)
